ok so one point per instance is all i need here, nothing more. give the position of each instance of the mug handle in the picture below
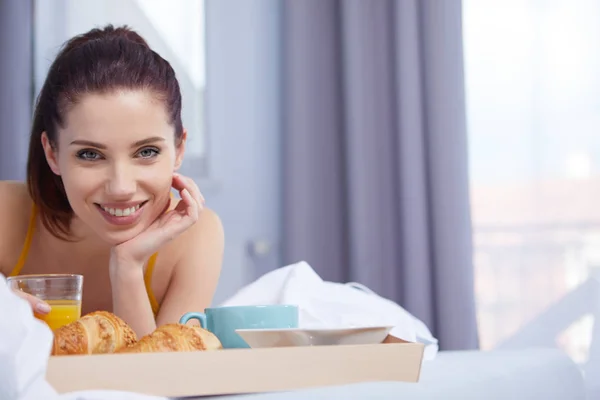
(194, 315)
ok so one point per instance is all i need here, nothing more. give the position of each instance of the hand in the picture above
(38, 306)
(166, 227)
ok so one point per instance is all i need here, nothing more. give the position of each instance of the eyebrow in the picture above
(101, 146)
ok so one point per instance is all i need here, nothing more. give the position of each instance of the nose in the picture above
(121, 183)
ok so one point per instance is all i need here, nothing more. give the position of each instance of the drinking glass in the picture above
(61, 291)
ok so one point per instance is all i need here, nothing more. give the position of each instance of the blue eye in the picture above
(148, 152)
(88, 155)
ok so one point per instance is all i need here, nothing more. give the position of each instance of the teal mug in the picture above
(223, 321)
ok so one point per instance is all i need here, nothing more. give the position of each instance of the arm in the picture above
(15, 214)
(197, 257)
(197, 272)
(129, 296)
(192, 285)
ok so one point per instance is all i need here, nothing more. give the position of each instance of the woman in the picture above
(106, 140)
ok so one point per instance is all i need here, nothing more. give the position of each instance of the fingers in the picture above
(181, 218)
(192, 204)
(37, 305)
(181, 182)
(190, 194)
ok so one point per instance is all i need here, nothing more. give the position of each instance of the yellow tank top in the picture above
(25, 250)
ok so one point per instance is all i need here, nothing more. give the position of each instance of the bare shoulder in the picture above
(14, 192)
(207, 233)
(200, 254)
(208, 227)
(195, 257)
(14, 214)
(200, 247)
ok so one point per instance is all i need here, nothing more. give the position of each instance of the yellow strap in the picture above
(25, 250)
(148, 281)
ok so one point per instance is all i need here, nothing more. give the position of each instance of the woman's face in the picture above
(116, 156)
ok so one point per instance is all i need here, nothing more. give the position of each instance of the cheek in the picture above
(157, 179)
(80, 182)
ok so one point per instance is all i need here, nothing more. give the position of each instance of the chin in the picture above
(114, 238)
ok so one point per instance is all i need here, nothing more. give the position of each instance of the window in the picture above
(532, 72)
(175, 29)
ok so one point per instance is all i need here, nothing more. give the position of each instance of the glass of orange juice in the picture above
(61, 291)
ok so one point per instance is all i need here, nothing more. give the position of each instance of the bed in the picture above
(531, 374)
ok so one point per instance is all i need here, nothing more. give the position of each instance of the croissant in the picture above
(98, 332)
(174, 338)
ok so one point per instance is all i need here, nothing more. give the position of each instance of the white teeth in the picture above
(121, 212)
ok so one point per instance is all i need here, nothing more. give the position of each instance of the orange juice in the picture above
(63, 312)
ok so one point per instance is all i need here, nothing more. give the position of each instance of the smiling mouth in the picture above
(121, 212)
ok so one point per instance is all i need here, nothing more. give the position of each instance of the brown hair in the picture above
(98, 61)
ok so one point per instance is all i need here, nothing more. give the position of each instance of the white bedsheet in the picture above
(533, 374)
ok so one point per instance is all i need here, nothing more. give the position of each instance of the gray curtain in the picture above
(375, 153)
(16, 86)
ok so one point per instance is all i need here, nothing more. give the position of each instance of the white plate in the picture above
(257, 338)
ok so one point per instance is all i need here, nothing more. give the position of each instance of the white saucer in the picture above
(258, 338)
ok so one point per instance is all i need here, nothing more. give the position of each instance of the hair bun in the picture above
(107, 32)
(125, 32)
